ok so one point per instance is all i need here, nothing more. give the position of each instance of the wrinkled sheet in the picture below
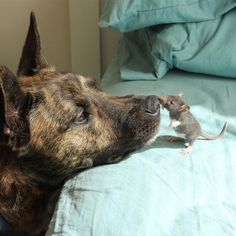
(156, 191)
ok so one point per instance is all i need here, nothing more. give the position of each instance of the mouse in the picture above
(184, 123)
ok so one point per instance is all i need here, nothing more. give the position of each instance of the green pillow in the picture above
(128, 15)
(207, 47)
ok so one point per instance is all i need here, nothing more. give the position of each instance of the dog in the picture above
(54, 124)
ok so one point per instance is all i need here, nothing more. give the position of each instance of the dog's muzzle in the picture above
(152, 105)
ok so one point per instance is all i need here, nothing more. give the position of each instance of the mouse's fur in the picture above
(183, 121)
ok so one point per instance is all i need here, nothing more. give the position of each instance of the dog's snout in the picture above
(152, 105)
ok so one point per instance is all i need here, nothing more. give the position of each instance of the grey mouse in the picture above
(184, 123)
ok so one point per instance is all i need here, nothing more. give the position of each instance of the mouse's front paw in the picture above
(173, 139)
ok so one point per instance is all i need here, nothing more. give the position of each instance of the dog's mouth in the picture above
(153, 114)
(139, 128)
(153, 138)
(129, 125)
(143, 129)
(145, 121)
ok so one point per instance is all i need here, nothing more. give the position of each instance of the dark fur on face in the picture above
(53, 124)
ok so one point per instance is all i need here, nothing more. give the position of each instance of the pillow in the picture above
(206, 47)
(134, 56)
(128, 15)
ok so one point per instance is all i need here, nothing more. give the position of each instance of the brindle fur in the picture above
(53, 124)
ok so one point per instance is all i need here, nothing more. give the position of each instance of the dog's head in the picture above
(65, 118)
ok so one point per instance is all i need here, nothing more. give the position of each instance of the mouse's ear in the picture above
(184, 108)
(180, 94)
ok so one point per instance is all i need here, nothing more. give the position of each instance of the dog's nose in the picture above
(152, 105)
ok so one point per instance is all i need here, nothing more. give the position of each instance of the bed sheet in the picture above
(156, 191)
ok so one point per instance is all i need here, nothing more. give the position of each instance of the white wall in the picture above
(109, 41)
(70, 35)
(53, 21)
(85, 37)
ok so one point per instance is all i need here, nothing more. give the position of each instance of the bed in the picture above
(157, 191)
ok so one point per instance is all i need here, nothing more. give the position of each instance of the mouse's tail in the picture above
(209, 137)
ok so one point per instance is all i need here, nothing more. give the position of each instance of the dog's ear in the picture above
(31, 59)
(16, 105)
(2, 118)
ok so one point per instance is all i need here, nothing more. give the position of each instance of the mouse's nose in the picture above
(152, 105)
(162, 99)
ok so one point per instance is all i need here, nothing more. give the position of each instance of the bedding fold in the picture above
(129, 15)
(205, 47)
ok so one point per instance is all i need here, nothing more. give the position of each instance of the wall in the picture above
(53, 21)
(70, 35)
(109, 41)
(85, 37)
(92, 48)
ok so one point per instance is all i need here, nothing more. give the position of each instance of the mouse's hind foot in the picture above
(186, 151)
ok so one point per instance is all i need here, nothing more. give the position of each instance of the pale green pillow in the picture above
(128, 15)
(207, 47)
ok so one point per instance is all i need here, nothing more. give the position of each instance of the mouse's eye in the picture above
(171, 102)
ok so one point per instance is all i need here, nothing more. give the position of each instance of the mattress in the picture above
(157, 191)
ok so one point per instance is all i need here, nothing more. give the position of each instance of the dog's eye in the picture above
(82, 117)
(92, 84)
